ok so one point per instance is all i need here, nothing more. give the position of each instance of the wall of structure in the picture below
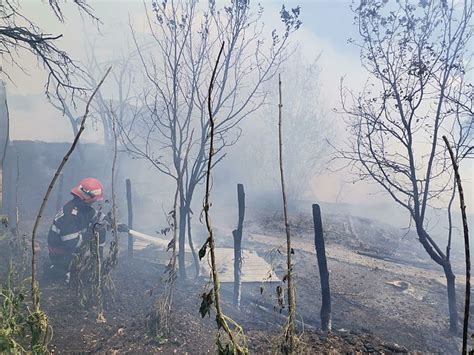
(4, 133)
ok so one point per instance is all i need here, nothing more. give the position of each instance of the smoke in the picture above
(310, 92)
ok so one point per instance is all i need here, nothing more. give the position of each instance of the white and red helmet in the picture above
(89, 190)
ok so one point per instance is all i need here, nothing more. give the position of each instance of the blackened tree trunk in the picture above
(237, 233)
(323, 269)
(128, 185)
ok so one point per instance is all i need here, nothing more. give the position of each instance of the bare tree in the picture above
(416, 58)
(187, 37)
(307, 129)
(20, 35)
(119, 92)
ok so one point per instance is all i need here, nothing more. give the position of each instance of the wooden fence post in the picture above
(323, 269)
(130, 216)
(237, 234)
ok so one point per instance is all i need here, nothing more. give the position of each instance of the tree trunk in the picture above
(451, 286)
(238, 246)
(323, 269)
(437, 255)
(128, 186)
(182, 240)
(467, 252)
(197, 267)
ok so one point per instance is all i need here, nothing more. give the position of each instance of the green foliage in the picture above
(206, 303)
(83, 274)
(17, 319)
(91, 274)
(159, 319)
(203, 250)
(40, 331)
(3, 227)
(160, 339)
(12, 321)
(291, 19)
(228, 349)
(4, 221)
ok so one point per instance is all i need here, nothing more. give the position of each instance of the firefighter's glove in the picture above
(123, 228)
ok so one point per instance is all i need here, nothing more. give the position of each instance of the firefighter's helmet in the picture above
(89, 190)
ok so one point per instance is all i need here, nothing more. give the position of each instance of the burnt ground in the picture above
(76, 330)
(369, 314)
(366, 259)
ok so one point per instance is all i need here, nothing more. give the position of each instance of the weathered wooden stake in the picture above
(130, 216)
(237, 233)
(323, 269)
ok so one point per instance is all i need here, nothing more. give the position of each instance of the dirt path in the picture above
(336, 252)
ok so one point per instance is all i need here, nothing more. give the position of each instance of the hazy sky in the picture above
(326, 27)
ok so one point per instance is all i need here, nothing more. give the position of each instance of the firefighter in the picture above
(75, 224)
